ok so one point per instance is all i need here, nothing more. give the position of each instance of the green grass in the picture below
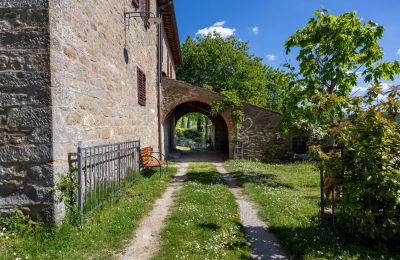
(204, 223)
(288, 200)
(103, 233)
(183, 148)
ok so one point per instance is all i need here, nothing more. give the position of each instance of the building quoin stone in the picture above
(72, 71)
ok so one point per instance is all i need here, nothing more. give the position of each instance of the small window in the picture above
(299, 145)
(141, 86)
(136, 3)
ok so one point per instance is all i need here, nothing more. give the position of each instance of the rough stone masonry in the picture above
(68, 74)
(25, 108)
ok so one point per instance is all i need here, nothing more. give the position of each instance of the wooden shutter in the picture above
(136, 3)
(141, 87)
(147, 14)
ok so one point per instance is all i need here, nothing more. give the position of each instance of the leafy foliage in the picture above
(371, 149)
(226, 65)
(334, 52)
(233, 104)
(67, 187)
(192, 134)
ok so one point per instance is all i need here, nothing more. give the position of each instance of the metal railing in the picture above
(102, 172)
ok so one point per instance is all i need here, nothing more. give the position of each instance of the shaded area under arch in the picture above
(219, 134)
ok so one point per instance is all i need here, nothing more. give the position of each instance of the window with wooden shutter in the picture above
(141, 87)
(146, 14)
(136, 3)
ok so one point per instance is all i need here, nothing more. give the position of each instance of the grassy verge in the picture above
(103, 233)
(204, 223)
(288, 199)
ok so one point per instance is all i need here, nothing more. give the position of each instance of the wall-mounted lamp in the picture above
(153, 19)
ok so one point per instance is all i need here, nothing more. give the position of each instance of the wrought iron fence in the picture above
(102, 172)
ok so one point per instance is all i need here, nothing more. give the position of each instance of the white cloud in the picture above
(255, 30)
(359, 91)
(271, 57)
(219, 28)
(362, 90)
(398, 51)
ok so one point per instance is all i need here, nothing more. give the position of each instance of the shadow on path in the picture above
(264, 245)
(210, 156)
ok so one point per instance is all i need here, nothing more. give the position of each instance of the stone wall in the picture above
(262, 141)
(25, 113)
(167, 56)
(94, 76)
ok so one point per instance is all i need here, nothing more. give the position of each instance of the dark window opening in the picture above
(136, 3)
(299, 145)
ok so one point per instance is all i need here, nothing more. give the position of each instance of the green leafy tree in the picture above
(226, 64)
(334, 52)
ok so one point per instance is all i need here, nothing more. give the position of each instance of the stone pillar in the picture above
(26, 171)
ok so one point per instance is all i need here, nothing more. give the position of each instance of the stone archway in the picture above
(220, 137)
(180, 98)
(264, 142)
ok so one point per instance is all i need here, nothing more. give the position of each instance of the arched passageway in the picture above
(260, 139)
(218, 128)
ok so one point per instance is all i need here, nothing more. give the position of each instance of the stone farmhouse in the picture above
(96, 72)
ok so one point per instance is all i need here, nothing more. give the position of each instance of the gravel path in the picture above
(264, 245)
(146, 240)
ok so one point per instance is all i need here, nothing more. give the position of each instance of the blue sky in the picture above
(266, 24)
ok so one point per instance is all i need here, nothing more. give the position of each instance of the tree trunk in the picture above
(183, 122)
(199, 124)
(188, 123)
(206, 129)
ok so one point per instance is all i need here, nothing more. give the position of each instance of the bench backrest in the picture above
(145, 154)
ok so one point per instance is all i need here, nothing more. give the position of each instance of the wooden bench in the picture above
(147, 159)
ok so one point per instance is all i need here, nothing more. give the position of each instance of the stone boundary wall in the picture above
(264, 142)
(25, 113)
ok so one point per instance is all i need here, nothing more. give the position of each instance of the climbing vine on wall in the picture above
(233, 104)
(67, 187)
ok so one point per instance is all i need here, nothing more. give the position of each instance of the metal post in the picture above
(321, 173)
(119, 167)
(333, 209)
(80, 190)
